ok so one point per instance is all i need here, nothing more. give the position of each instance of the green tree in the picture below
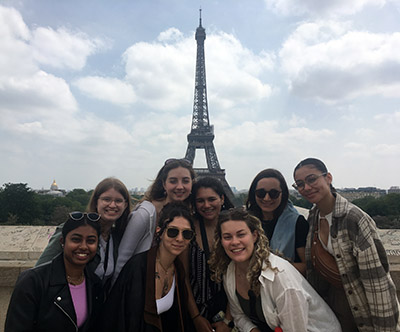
(301, 202)
(18, 200)
(81, 196)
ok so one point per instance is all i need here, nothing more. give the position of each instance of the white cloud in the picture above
(296, 121)
(162, 74)
(171, 34)
(390, 118)
(12, 24)
(387, 150)
(108, 89)
(318, 7)
(326, 62)
(61, 48)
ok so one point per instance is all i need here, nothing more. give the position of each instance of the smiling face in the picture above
(176, 245)
(319, 190)
(238, 241)
(80, 245)
(208, 203)
(111, 205)
(267, 204)
(178, 184)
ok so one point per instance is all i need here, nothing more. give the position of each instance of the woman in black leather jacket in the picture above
(63, 294)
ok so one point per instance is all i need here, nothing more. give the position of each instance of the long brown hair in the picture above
(103, 186)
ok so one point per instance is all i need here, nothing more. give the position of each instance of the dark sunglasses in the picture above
(173, 232)
(183, 160)
(273, 193)
(78, 216)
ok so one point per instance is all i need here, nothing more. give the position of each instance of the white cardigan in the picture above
(287, 300)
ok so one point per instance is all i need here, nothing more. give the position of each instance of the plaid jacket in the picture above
(363, 265)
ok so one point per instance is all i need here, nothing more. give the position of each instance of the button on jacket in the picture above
(41, 300)
(363, 266)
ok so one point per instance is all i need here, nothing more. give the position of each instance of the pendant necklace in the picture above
(165, 283)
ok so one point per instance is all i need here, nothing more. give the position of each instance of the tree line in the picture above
(20, 205)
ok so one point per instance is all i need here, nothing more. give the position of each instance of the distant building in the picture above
(351, 193)
(53, 191)
(394, 190)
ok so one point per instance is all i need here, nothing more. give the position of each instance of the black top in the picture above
(300, 235)
(252, 308)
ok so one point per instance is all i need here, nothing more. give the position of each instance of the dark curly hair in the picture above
(171, 211)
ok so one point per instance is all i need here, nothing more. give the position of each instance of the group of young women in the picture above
(184, 259)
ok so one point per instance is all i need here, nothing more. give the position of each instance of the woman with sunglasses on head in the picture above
(111, 200)
(346, 260)
(150, 293)
(206, 298)
(285, 228)
(265, 291)
(60, 295)
(172, 184)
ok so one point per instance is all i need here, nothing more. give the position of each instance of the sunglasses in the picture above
(173, 232)
(273, 193)
(78, 216)
(310, 180)
(171, 160)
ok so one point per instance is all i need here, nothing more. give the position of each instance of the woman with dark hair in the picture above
(206, 298)
(111, 200)
(150, 293)
(285, 228)
(346, 260)
(264, 291)
(61, 295)
(172, 184)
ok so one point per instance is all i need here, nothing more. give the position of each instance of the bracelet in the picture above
(195, 316)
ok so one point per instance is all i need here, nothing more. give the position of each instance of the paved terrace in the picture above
(21, 246)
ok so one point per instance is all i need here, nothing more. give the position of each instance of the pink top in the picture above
(78, 294)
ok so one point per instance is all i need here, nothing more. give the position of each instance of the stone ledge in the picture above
(21, 246)
(23, 242)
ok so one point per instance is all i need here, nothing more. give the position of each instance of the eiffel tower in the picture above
(201, 135)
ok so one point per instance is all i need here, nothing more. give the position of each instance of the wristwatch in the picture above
(230, 323)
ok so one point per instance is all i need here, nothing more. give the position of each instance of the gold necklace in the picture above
(75, 281)
(165, 282)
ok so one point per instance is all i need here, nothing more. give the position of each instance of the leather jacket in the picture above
(41, 300)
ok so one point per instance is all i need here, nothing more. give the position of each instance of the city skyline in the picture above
(90, 90)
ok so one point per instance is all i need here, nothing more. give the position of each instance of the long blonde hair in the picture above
(219, 260)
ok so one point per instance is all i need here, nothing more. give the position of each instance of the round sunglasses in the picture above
(273, 193)
(78, 216)
(173, 232)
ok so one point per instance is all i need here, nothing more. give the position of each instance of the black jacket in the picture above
(131, 305)
(41, 300)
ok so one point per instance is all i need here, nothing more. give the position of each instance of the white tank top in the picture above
(166, 302)
(329, 247)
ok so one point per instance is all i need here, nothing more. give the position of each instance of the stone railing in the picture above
(21, 246)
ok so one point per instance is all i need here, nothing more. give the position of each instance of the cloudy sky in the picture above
(90, 89)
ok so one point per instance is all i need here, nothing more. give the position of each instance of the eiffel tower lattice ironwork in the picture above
(201, 135)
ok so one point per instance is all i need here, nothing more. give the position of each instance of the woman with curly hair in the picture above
(264, 291)
(206, 298)
(150, 293)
